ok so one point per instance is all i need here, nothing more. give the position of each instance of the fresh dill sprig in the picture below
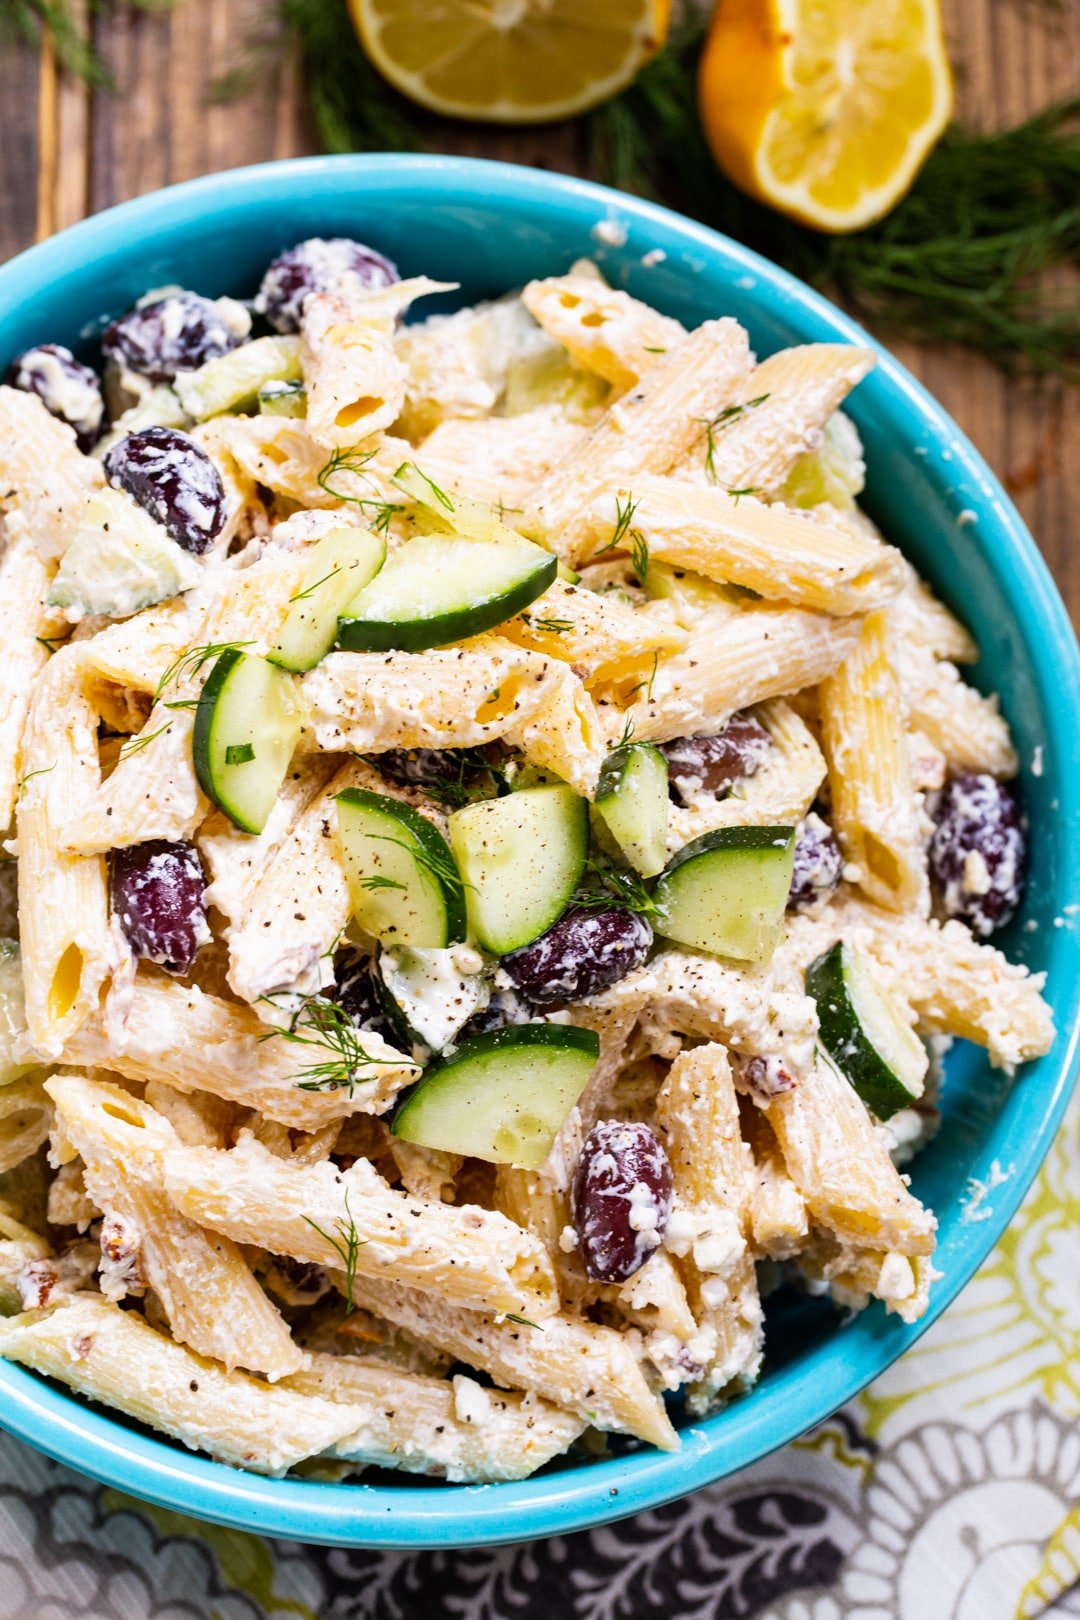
(520, 1321)
(69, 30)
(440, 494)
(639, 555)
(717, 424)
(625, 507)
(556, 627)
(377, 882)
(190, 662)
(646, 686)
(135, 745)
(28, 776)
(302, 596)
(347, 1245)
(608, 885)
(627, 732)
(239, 753)
(326, 1026)
(440, 867)
(354, 459)
(750, 489)
(49, 643)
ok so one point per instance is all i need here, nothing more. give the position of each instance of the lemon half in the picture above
(825, 109)
(510, 61)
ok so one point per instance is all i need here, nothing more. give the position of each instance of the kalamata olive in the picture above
(977, 852)
(621, 1199)
(157, 894)
(583, 953)
(416, 767)
(66, 388)
(178, 332)
(175, 480)
(699, 765)
(505, 1007)
(818, 862)
(321, 264)
(354, 991)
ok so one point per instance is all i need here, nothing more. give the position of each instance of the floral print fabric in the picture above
(949, 1491)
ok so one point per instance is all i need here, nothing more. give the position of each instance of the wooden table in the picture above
(65, 152)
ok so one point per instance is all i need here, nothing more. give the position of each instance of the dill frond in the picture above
(327, 1027)
(347, 1245)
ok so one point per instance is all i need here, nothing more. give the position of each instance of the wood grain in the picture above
(65, 152)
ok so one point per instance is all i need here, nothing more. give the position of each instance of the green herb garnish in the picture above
(135, 745)
(190, 662)
(347, 1245)
(326, 1026)
(239, 753)
(353, 459)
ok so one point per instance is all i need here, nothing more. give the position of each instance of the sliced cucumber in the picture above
(458, 514)
(725, 892)
(522, 857)
(12, 1012)
(403, 885)
(502, 1097)
(438, 589)
(632, 799)
(428, 995)
(283, 399)
(232, 381)
(246, 727)
(342, 563)
(864, 1032)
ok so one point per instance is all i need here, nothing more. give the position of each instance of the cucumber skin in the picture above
(431, 840)
(734, 838)
(382, 635)
(842, 1037)
(514, 1038)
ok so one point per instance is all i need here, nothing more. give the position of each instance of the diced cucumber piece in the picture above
(458, 514)
(342, 563)
(522, 857)
(834, 473)
(632, 799)
(12, 1012)
(119, 561)
(246, 728)
(438, 588)
(502, 1097)
(725, 892)
(403, 885)
(428, 995)
(283, 399)
(550, 377)
(232, 381)
(864, 1031)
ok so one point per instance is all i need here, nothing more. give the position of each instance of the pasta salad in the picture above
(497, 845)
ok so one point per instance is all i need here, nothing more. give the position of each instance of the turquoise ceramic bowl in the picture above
(492, 227)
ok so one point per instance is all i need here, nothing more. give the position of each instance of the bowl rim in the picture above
(86, 1437)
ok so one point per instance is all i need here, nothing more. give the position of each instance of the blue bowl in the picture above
(492, 227)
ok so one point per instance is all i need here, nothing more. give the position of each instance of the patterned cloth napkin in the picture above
(949, 1491)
